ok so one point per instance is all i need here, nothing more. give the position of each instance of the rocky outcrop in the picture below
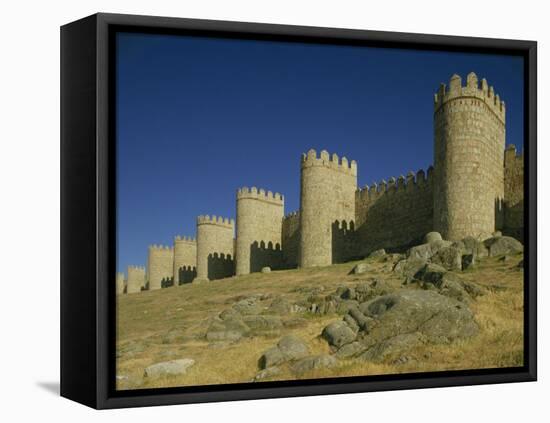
(399, 321)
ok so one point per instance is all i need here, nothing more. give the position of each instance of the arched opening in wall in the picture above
(186, 274)
(166, 282)
(264, 254)
(220, 266)
(343, 240)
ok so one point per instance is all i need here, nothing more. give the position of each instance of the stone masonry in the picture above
(474, 188)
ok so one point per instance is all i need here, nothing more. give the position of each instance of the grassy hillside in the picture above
(171, 324)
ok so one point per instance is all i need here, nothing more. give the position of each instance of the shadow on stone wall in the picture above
(220, 266)
(514, 221)
(166, 282)
(344, 241)
(263, 255)
(186, 274)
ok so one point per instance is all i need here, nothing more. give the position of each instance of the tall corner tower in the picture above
(259, 223)
(215, 248)
(327, 196)
(469, 141)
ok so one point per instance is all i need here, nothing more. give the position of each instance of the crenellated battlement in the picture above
(215, 220)
(473, 94)
(161, 248)
(185, 239)
(136, 268)
(326, 160)
(292, 215)
(260, 194)
(402, 183)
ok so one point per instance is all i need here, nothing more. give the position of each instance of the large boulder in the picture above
(437, 317)
(503, 245)
(169, 368)
(426, 251)
(288, 348)
(449, 257)
(471, 245)
(409, 267)
(228, 327)
(394, 345)
(338, 334)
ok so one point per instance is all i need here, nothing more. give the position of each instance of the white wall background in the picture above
(29, 208)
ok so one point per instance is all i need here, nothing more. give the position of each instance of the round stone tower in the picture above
(327, 196)
(469, 141)
(215, 248)
(160, 265)
(120, 283)
(259, 220)
(185, 259)
(136, 279)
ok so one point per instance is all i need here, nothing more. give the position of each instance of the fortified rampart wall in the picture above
(513, 193)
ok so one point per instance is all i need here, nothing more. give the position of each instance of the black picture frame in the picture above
(88, 196)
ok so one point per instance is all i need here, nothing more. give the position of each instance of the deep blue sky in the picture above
(198, 118)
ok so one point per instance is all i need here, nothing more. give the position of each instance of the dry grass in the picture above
(171, 323)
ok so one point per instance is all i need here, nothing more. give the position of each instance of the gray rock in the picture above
(426, 251)
(313, 363)
(361, 320)
(431, 273)
(449, 257)
(345, 305)
(292, 347)
(497, 234)
(351, 323)
(223, 335)
(409, 267)
(270, 358)
(360, 268)
(348, 294)
(432, 237)
(338, 334)
(503, 245)
(266, 269)
(232, 328)
(169, 368)
(288, 348)
(377, 254)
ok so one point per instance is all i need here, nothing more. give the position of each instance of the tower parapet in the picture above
(469, 139)
(136, 279)
(259, 220)
(160, 265)
(185, 259)
(477, 94)
(215, 247)
(328, 186)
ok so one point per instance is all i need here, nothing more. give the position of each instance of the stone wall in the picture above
(259, 227)
(469, 140)
(327, 196)
(136, 279)
(291, 240)
(393, 214)
(513, 193)
(185, 260)
(160, 266)
(215, 248)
